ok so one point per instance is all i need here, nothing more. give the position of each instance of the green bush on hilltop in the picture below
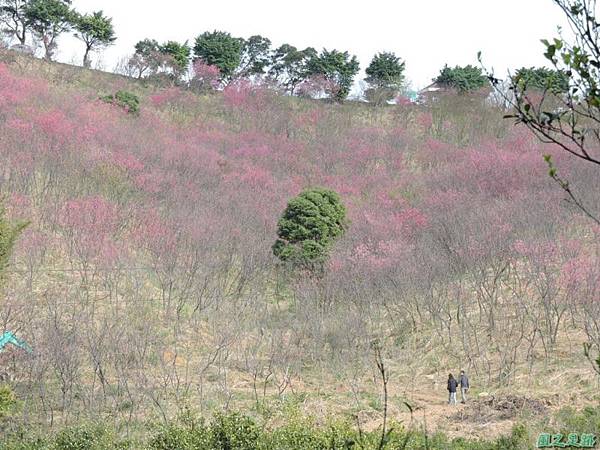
(463, 79)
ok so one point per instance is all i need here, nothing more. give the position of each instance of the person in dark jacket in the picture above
(464, 386)
(452, 385)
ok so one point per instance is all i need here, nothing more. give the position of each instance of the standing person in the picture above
(464, 386)
(452, 385)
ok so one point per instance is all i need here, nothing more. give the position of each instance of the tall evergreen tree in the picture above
(96, 31)
(463, 79)
(385, 76)
(48, 19)
(219, 49)
(289, 66)
(335, 66)
(255, 56)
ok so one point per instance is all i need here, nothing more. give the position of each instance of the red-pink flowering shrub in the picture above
(169, 96)
(317, 86)
(206, 77)
(245, 95)
(15, 90)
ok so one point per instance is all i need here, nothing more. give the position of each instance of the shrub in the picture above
(234, 431)
(518, 440)
(26, 443)
(310, 224)
(302, 434)
(126, 100)
(84, 437)
(385, 76)
(8, 401)
(579, 422)
(187, 434)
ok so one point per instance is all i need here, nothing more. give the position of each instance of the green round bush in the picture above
(310, 224)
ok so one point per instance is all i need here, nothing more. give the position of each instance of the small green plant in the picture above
(181, 437)
(8, 236)
(84, 437)
(126, 100)
(234, 431)
(189, 431)
(8, 401)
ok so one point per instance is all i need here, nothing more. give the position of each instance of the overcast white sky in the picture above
(426, 33)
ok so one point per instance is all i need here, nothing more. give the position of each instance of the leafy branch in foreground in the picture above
(564, 184)
(568, 116)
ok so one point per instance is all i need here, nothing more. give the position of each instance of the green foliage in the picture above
(234, 431)
(338, 67)
(385, 76)
(48, 19)
(302, 433)
(85, 437)
(79, 438)
(309, 226)
(385, 69)
(219, 49)
(126, 100)
(576, 77)
(289, 66)
(179, 52)
(463, 79)
(256, 55)
(519, 439)
(170, 59)
(572, 421)
(8, 401)
(95, 30)
(239, 432)
(541, 78)
(147, 47)
(8, 236)
(147, 58)
(177, 436)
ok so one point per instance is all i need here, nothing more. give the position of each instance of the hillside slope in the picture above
(145, 281)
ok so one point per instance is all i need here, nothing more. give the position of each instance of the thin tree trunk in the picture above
(86, 58)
